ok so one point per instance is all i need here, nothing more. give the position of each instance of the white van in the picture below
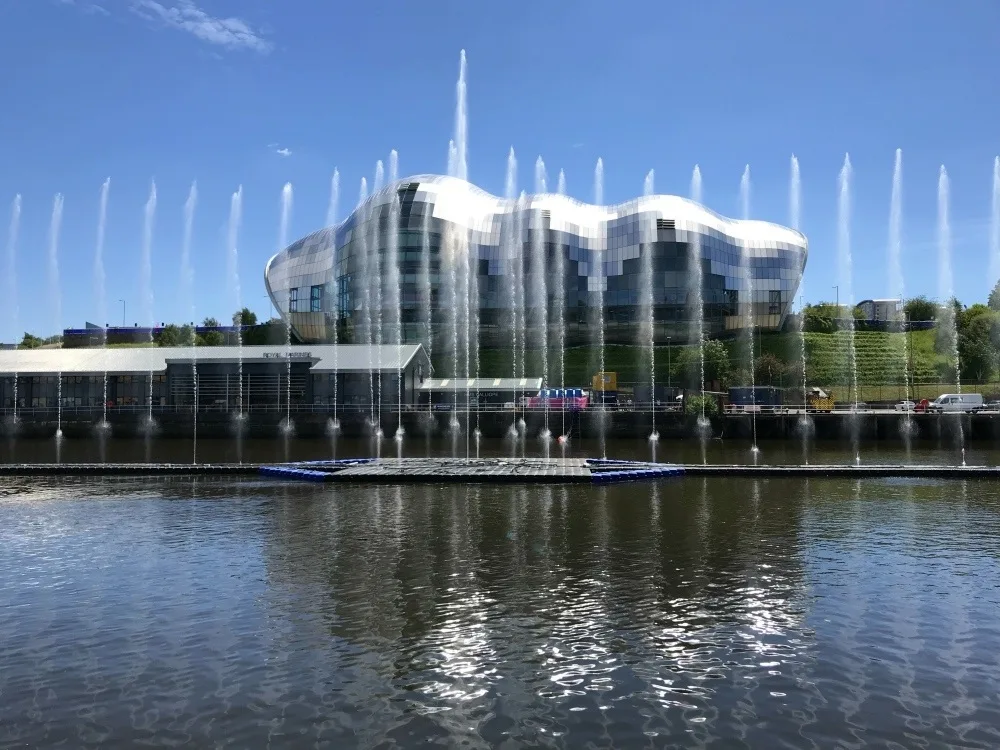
(960, 402)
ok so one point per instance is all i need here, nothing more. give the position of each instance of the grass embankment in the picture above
(880, 360)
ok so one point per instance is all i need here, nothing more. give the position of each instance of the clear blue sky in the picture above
(179, 90)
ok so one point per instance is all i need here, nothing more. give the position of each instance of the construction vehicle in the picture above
(604, 386)
(819, 400)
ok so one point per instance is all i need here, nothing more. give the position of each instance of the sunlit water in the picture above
(685, 613)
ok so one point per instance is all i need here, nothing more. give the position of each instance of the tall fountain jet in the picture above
(55, 293)
(187, 305)
(538, 287)
(846, 290)
(749, 294)
(947, 324)
(146, 283)
(393, 166)
(745, 193)
(559, 312)
(696, 308)
(286, 218)
(393, 278)
(233, 274)
(13, 232)
(647, 336)
(377, 284)
(995, 225)
(331, 211)
(846, 272)
(511, 241)
(597, 280)
(333, 305)
(896, 286)
(468, 266)
(648, 185)
(100, 295)
(364, 335)
(805, 425)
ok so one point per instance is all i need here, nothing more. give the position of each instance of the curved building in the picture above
(453, 260)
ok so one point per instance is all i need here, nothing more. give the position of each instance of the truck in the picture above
(956, 402)
(747, 397)
(819, 400)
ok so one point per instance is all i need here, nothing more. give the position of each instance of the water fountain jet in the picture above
(751, 312)
(13, 233)
(947, 312)
(187, 302)
(55, 293)
(146, 283)
(100, 295)
(597, 281)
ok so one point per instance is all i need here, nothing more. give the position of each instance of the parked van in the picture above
(960, 402)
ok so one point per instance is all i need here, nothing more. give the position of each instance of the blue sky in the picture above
(212, 90)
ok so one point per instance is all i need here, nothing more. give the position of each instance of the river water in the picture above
(686, 613)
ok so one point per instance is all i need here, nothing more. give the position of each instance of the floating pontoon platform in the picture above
(525, 470)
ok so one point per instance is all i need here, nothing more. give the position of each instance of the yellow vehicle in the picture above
(819, 400)
(605, 381)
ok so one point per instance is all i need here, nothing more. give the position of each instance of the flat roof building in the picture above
(259, 375)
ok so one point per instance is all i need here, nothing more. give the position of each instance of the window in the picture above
(774, 303)
(316, 299)
(293, 299)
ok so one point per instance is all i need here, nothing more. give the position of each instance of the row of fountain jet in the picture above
(460, 282)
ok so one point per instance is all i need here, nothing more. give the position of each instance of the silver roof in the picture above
(481, 384)
(325, 358)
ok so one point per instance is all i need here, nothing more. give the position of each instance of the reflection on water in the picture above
(696, 612)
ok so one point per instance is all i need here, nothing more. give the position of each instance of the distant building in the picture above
(317, 372)
(92, 335)
(881, 310)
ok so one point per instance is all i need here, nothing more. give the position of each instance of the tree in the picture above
(170, 335)
(696, 405)
(920, 308)
(717, 363)
(245, 317)
(994, 299)
(210, 338)
(768, 369)
(29, 342)
(976, 353)
(820, 318)
(687, 364)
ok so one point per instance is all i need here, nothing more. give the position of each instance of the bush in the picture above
(697, 405)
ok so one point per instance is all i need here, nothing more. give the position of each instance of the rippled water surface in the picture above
(685, 614)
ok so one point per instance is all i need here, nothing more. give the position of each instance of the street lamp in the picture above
(837, 290)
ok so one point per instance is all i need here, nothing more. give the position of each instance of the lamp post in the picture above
(836, 288)
(123, 312)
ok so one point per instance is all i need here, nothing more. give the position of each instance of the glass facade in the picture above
(343, 271)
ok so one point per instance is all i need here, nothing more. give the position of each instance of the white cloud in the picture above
(86, 7)
(284, 152)
(577, 145)
(231, 33)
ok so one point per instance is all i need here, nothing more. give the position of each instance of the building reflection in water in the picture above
(595, 595)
